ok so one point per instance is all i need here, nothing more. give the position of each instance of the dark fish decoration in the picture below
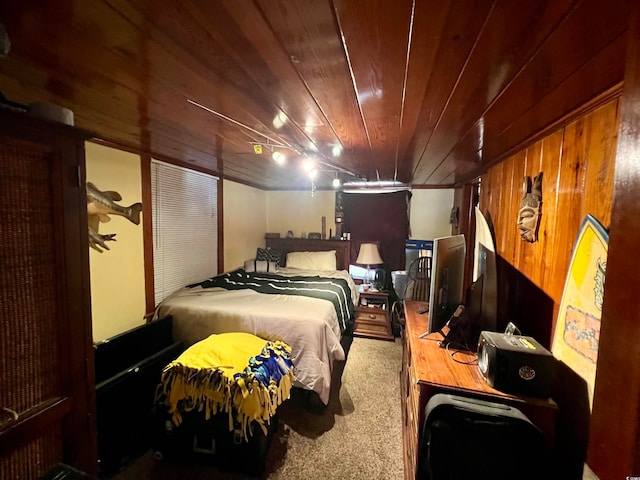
(103, 204)
(99, 206)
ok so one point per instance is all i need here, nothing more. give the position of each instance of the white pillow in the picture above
(312, 260)
(254, 265)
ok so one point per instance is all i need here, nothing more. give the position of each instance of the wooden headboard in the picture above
(286, 245)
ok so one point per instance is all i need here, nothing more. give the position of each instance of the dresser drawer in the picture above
(373, 329)
(374, 326)
(372, 317)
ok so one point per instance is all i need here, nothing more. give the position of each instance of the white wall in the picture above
(245, 222)
(430, 213)
(117, 275)
(249, 213)
(300, 212)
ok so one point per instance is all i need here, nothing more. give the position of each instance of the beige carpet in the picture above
(359, 435)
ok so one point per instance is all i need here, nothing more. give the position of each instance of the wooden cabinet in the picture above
(372, 316)
(428, 369)
(47, 399)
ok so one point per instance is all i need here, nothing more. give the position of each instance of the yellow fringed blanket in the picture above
(237, 373)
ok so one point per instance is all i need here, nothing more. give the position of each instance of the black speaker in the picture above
(515, 364)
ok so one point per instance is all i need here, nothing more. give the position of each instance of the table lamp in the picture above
(369, 255)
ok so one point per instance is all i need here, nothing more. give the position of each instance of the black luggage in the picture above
(467, 438)
(197, 440)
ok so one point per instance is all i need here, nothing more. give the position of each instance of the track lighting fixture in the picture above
(336, 181)
(279, 157)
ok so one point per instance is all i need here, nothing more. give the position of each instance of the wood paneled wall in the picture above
(577, 162)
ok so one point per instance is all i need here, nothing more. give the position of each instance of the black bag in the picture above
(202, 441)
(467, 438)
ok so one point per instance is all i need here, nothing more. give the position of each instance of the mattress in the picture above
(312, 326)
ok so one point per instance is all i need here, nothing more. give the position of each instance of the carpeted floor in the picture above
(359, 435)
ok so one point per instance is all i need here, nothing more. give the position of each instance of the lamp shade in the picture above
(369, 254)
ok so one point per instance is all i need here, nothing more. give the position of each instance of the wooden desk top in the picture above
(434, 366)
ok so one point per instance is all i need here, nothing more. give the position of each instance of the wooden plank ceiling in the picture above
(424, 92)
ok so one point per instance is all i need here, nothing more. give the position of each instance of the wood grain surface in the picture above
(577, 164)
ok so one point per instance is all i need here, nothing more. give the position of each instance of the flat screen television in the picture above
(446, 290)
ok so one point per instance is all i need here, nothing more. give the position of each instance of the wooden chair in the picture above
(419, 279)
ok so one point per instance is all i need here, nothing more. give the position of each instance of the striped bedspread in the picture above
(335, 290)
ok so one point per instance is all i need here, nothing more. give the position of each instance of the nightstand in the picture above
(372, 316)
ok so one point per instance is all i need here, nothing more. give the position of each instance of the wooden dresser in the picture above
(428, 369)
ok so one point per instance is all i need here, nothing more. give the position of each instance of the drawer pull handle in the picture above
(372, 316)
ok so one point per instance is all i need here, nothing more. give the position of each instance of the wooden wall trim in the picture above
(147, 235)
(146, 152)
(32, 422)
(614, 449)
(220, 226)
(607, 96)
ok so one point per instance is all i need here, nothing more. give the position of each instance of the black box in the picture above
(128, 370)
(515, 364)
(468, 438)
(197, 440)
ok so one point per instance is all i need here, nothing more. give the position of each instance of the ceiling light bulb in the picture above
(279, 120)
(308, 165)
(313, 173)
(336, 182)
(279, 158)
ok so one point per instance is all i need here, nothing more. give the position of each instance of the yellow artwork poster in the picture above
(577, 333)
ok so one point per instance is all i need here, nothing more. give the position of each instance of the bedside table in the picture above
(372, 316)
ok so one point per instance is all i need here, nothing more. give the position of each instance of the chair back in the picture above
(419, 279)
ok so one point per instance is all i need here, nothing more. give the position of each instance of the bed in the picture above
(308, 308)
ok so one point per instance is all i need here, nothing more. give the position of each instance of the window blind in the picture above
(185, 227)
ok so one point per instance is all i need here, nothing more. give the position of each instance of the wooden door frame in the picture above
(614, 448)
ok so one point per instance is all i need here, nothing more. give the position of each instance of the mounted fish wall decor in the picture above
(99, 206)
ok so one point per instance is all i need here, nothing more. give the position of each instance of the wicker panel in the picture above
(29, 302)
(34, 459)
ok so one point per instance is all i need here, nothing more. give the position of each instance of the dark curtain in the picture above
(380, 218)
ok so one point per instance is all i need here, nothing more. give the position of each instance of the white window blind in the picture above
(185, 227)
